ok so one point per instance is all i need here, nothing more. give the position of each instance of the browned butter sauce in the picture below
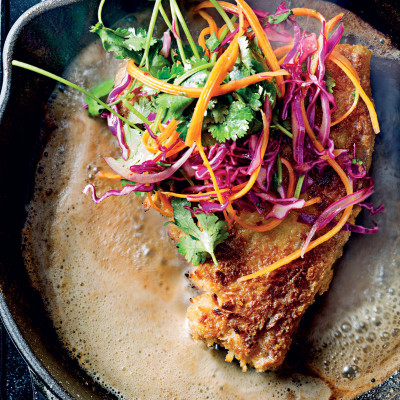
(116, 291)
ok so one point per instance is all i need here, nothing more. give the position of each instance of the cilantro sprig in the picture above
(199, 242)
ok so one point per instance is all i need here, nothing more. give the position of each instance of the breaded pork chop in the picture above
(255, 320)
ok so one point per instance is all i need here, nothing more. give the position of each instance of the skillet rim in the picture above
(35, 366)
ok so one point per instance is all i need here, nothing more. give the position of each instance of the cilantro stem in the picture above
(299, 186)
(185, 29)
(150, 33)
(165, 16)
(279, 166)
(283, 129)
(135, 112)
(100, 10)
(186, 177)
(157, 120)
(73, 85)
(223, 14)
(178, 41)
(226, 29)
(193, 71)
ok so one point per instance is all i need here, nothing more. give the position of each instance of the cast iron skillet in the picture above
(49, 35)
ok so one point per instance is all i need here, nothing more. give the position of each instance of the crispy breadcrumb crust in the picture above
(255, 320)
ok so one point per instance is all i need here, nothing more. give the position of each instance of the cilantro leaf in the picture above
(277, 19)
(198, 243)
(330, 82)
(158, 63)
(174, 106)
(124, 43)
(167, 73)
(183, 128)
(236, 124)
(164, 73)
(100, 91)
(137, 39)
(144, 106)
(212, 42)
(251, 59)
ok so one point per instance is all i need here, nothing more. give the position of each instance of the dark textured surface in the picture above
(15, 378)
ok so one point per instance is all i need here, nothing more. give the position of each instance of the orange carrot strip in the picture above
(307, 12)
(349, 111)
(295, 255)
(345, 216)
(200, 195)
(167, 204)
(272, 223)
(332, 22)
(263, 41)
(153, 205)
(145, 141)
(213, 178)
(202, 39)
(217, 75)
(226, 6)
(283, 50)
(320, 148)
(210, 20)
(232, 86)
(108, 175)
(291, 186)
(344, 67)
(254, 175)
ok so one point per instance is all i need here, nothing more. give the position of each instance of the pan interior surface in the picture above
(115, 290)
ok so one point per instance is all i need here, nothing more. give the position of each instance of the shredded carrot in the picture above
(332, 23)
(226, 6)
(283, 50)
(217, 75)
(297, 254)
(210, 20)
(272, 223)
(168, 133)
(291, 186)
(254, 175)
(345, 216)
(153, 205)
(320, 148)
(108, 175)
(315, 56)
(211, 172)
(145, 141)
(200, 196)
(343, 65)
(313, 201)
(166, 204)
(263, 41)
(202, 39)
(232, 86)
(307, 12)
(349, 111)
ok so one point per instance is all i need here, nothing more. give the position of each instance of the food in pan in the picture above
(256, 144)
